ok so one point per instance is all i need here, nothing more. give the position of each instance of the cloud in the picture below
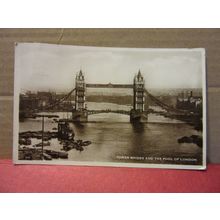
(53, 67)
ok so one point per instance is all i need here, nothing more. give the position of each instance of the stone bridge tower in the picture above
(139, 97)
(138, 113)
(80, 110)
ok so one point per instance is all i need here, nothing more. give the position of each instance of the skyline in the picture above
(49, 67)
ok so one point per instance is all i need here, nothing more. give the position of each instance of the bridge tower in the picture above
(80, 111)
(138, 113)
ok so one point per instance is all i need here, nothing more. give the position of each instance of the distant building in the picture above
(36, 101)
(187, 101)
(45, 99)
(28, 102)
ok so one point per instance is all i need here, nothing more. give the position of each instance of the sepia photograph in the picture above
(106, 106)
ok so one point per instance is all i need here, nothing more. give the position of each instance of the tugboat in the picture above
(47, 157)
(64, 131)
(86, 143)
(25, 141)
(40, 144)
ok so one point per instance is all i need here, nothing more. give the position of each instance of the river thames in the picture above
(115, 139)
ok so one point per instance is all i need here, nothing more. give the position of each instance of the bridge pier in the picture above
(138, 117)
(80, 116)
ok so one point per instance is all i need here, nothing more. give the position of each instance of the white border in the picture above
(112, 164)
(115, 13)
(127, 206)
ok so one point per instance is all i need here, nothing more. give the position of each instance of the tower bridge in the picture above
(140, 107)
(138, 113)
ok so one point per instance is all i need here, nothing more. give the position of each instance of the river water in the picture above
(115, 139)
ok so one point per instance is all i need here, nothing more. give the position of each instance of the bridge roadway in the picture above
(123, 112)
(92, 112)
(149, 111)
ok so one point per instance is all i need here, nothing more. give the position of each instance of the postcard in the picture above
(106, 106)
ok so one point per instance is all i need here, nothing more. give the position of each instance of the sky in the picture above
(54, 67)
